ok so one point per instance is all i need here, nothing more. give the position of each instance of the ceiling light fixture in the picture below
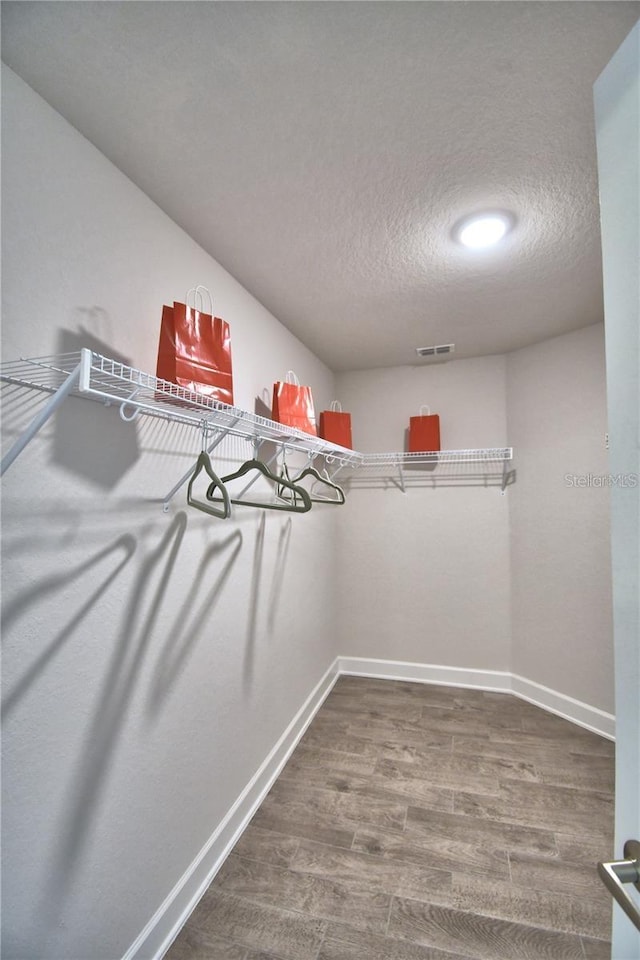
(482, 230)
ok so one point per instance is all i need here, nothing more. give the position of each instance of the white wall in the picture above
(467, 577)
(150, 661)
(560, 528)
(424, 575)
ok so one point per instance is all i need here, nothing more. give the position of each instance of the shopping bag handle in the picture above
(198, 292)
(335, 406)
(292, 377)
(425, 407)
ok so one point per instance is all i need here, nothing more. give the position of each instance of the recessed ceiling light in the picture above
(482, 230)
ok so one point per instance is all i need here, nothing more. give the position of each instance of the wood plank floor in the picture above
(418, 822)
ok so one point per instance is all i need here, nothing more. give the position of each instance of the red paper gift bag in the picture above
(195, 349)
(335, 426)
(424, 432)
(293, 404)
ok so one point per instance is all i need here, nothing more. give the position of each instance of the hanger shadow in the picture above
(184, 632)
(110, 716)
(254, 599)
(284, 540)
(52, 585)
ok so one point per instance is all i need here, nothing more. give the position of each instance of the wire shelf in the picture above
(486, 455)
(41, 373)
(110, 381)
(91, 375)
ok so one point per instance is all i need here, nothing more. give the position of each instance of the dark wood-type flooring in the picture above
(419, 822)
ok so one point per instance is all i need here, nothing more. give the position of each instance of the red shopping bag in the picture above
(335, 426)
(293, 404)
(424, 432)
(194, 350)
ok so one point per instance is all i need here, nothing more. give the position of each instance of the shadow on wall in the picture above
(137, 627)
(268, 451)
(92, 440)
(262, 406)
(275, 591)
(133, 644)
(278, 574)
(26, 600)
(254, 600)
(191, 617)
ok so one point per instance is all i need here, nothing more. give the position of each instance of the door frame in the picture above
(617, 113)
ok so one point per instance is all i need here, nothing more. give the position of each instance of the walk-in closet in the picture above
(320, 481)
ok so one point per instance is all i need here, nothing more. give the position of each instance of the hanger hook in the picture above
(204, 430)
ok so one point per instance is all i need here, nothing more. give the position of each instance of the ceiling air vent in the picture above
(440, 351)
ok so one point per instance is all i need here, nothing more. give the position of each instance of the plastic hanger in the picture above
(293, 506)
(326, 482)
(204, 463)
(312, 472)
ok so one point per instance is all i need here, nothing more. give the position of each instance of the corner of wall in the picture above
(559, 526)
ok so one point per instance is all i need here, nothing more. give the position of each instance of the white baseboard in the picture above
(576, 711)
(169, 918)
(425, 673)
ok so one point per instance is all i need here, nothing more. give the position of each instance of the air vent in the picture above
(439, 351)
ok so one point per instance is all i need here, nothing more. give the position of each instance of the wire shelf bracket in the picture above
(50, 407)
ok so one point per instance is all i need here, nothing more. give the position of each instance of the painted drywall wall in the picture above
(467, 577)
(617, 103)
(559, 517)
(150, 661)
(424, 575)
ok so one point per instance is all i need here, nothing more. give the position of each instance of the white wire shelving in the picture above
(484, 455)
(88, 374)
(486, 467)
(93, 376)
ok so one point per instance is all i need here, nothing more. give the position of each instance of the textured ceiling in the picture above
(322, 152)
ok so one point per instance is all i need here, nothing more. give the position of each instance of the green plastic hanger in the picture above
(204, 463)
(312, 472)
(293, 506)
